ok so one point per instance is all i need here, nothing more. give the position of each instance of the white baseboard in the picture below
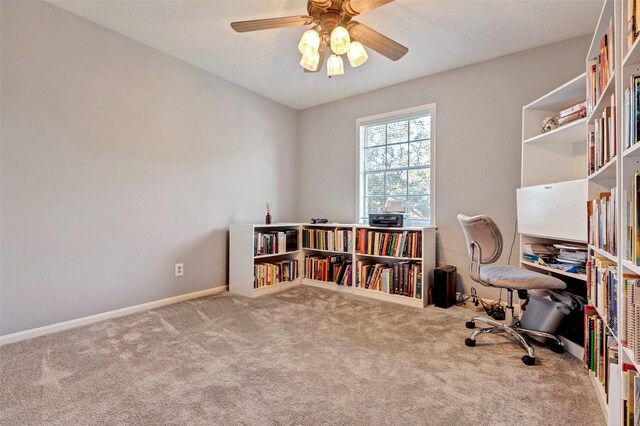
(79, 322)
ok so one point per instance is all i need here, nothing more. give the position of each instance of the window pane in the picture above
(397, 156)
(419, 153)
(374, 158)
(397, 183)
(397, 132)
(419, 180)
(375, 135)
(375, 184)
(420, 128)
(419, 208)
(375, 204)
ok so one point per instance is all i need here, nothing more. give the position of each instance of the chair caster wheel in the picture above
(470, 324)
(469, 342)
(557, 347)
(528, 360)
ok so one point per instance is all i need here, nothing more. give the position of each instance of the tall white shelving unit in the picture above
(242, 261)
(616, 177)
(554, 186)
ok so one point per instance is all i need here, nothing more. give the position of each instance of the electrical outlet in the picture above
(179, 269)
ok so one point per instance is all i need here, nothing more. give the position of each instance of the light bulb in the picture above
(334, 66)
(310, 59)
(310, 38)
(340, 40)
(357, 55)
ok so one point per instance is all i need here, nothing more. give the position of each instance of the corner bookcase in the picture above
(612, 317)
(328, 256)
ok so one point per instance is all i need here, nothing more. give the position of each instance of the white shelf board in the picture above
(629, 355)
(633, 268)
(326, 251)
(330, 225)
(600, 395)
(329, 285)
(276, 225)
(395, 229)
(564, 96)
(373, 256)
(633, 150)
(604, 101)
(276, 287)
(265, 256)
(582, 277)
(606, 172)
(633, 55)
(404, 300)
(604, 253)
(567, 134)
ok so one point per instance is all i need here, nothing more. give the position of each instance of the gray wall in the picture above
(117, 162)
(478, 141)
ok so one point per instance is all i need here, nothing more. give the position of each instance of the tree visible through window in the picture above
(395, 163)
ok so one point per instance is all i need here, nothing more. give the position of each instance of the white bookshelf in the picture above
(242, 261)
(554, 186)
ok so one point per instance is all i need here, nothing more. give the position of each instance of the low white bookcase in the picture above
(414, 246)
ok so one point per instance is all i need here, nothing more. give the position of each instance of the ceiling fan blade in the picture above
(358, 7)
(267, 24)
(376, 41)
(324, 52)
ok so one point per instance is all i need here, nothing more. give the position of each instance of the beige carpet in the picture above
(306, 356)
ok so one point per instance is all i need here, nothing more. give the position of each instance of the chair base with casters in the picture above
(484, 242)
(512, 331)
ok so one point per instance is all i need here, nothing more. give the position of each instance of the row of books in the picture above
(602, 140)
(335, 269)
(602, 289)
(632, 112)
(600, 69)
(275, 242)
(600, 348)
(630, 327)
(631, 203)
(572, 113)
(633, 26)
(565, 257)
(403, 278)
(327, 239)
(395, 244)
(266, 274)
(601, 226)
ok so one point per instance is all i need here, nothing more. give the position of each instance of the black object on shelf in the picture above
(444, 287)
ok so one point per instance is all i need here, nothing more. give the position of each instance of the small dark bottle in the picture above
(267, 219)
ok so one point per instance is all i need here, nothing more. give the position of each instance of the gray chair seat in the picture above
(507, 276)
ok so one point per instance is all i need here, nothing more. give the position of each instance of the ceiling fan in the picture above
(334, 33)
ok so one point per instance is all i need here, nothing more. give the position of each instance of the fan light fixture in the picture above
(310, 59)
(357, 55)
(332, 33)
(335, 66)
(340, 40)
(310, 38)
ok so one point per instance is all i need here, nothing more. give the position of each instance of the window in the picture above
(395, 162)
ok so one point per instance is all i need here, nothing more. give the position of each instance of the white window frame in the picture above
(403, 113)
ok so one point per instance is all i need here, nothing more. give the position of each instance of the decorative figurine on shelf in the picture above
(549, 124)
(267, 219)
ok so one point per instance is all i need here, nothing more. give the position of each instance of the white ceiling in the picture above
(440, 35)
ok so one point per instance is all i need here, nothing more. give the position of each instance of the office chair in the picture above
(484, 242)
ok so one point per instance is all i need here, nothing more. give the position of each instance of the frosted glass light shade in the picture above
(335, 66)
(310, 38)
(340, 40)
(310, 59)
(357, 55)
